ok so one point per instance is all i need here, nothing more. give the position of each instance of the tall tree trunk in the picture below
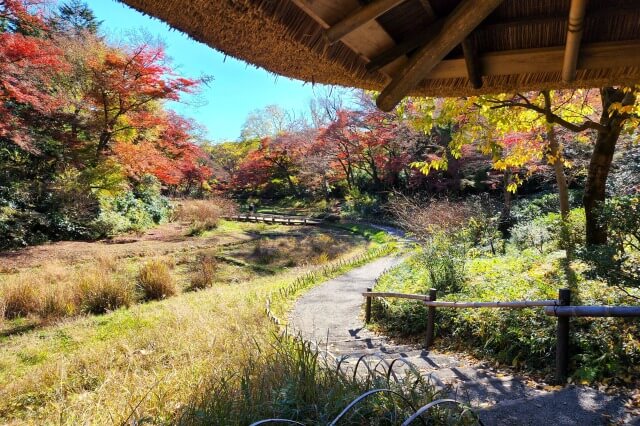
(558, 167)
(600, 165)
(505, 220)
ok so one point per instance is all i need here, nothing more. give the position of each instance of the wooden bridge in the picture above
(275, 219)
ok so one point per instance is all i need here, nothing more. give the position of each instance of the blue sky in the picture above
(237, 88)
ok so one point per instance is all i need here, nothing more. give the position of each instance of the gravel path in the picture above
(330, 315)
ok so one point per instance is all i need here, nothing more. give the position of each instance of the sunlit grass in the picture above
(148, 361)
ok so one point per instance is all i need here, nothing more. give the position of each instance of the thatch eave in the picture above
(287, 39)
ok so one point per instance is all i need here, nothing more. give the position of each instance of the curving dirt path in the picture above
(330, 315)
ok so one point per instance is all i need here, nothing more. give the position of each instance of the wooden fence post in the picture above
(431, 318)
(562, 339)
(367, 312)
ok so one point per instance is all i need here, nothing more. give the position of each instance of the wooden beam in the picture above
(422, 37)
(549, 59)
(405, 47)
(474, 71)
(431, 14)
(574, 37)
(367, 41)
(359, 17)
(464, 19)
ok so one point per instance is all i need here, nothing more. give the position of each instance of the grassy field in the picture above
(150, 358)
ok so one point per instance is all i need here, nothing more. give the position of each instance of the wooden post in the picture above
(431, 318)
(562, 339)
(367, 312)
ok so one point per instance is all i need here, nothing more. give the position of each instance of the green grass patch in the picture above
(602, 349)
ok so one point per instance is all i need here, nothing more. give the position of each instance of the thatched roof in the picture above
(449, 47)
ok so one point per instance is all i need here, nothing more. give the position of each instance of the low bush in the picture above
(100, 292)
(618, 262)
(155, 281)
(531, 235)
(203, 215)
(264, 253)
(132, 211)
(423, 217)
(444, 259)
(204, 274)
(21, 298)
(361, 204)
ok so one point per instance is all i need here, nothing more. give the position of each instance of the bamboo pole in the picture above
(593, 311)
(422, 297)
(367, 314)
(574, 37)
(508, 305)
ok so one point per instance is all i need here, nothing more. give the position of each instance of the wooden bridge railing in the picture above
(270, 218)
(559, 308)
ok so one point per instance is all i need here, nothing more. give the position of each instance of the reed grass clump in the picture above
(99, 292)
(20, 298)
(155, 281)
(203, 215)
(205, 273)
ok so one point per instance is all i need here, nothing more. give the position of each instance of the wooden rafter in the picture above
(368, 41)
(428, 9)
(421, 38)
(360, 17)
(574, 37)
(405, 47)
(457, 26)
(541, 60)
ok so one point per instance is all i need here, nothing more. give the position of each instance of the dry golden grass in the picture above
(155, 280)
(55, 291)
(147, 362)
(205, 273)
(144, 363)
(21, 298)
(304, 249)
(203, 215)
(99, 291)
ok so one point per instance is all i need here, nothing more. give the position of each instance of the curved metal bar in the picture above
(355, 369)
(424, 409)
(267, 421)
(385, 372)
(412, 367)
(381, 360)
(342, 359)
(365, 396)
